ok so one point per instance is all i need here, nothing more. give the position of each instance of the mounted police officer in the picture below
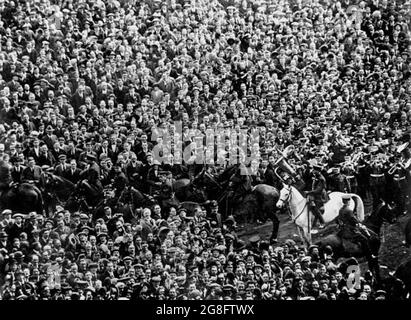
(351, 228)
(166, 192)
(92, 176)
(120, 180)
(239, 185)
(317, 196)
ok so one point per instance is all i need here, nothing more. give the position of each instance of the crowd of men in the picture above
(83, 83)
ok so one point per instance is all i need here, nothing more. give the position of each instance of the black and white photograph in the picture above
(235, 151)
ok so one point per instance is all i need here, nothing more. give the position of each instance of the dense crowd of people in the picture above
(83, 84)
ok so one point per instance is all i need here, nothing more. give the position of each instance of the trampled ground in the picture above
(392, 251)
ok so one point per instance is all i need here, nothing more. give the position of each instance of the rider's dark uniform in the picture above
(350, 228)
(317, 196)
(337, 182)
(377, 182)
(166, 191)
(240, 185)
(92, 181)
(398, 182)
(350, 178)
(120, 183)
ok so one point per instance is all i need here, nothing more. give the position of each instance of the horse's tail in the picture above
(359, 206)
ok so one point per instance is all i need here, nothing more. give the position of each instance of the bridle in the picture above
(288, 188)
(288, 199)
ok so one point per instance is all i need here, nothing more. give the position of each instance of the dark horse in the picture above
(260, 202)
(347, 248)
(208, 185)
(403, 273)
(58, 191)
(80, 197)
(127, 203)
(186, 190)
(23, 198)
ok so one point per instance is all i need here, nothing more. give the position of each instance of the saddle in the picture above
(349, 237)
(350, 245)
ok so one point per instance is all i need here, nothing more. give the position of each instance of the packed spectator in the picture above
(83, 80)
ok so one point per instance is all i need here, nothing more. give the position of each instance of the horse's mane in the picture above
(25, 186)
(134, 194)
(62, 179)
(297, 191)
(65, 186)
(227, 173)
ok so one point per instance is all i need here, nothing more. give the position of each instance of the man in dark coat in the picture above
(46, 158)
(62, 166)
(16, 228)
(73, 173)
(17, 170)
(120, 180)
(266, 174)
(351, 228)
(32, 172)
(49, 139)
(134, 170)
(317, 196)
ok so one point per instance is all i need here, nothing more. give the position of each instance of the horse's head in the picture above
(209, 181)
(388, 212)
(198, 179)
(285, 194)
(49, 180)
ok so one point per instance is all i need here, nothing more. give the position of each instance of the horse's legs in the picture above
(40, 202)
(300, 233)
(377, 271)
(50, 205)
(372, 258)
(374, 266)
(276, 226)
(304, 237)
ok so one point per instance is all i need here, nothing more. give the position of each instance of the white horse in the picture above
(303, 218)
